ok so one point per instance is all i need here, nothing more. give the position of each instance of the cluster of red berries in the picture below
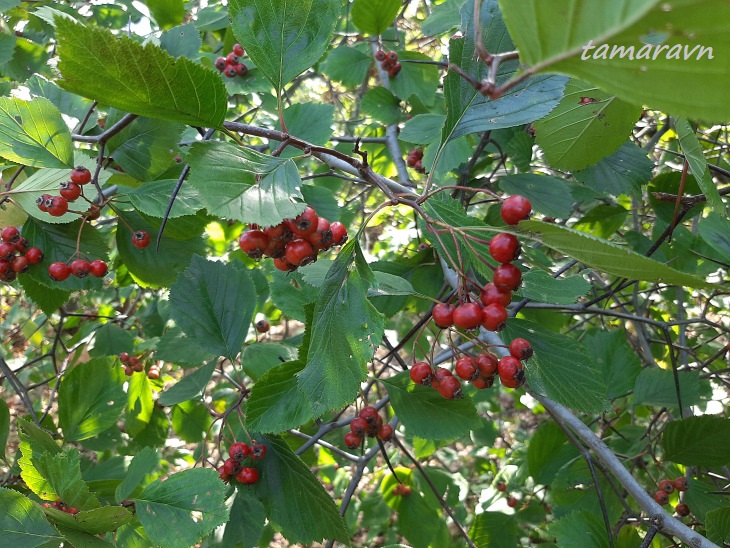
(667, 487)
(388, 62)
(133, 364)
(415, 159)
(59, 505)
(293, 242)
(80, 268)
(70, 192)
(367, 423)
(402, 490)
(16, 257)
(230, 65)
(238, 453)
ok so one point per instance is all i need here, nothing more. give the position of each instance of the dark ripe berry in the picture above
(501, 486)
(80, 175)
(511, 501)
(80, 268)
(21, 245)
(258, 451)
(358, 426)
(9, 276)
(661, 497)
(10, 234)
(220, 64)
(230, 71)
(667, 486)
(239, 450)
(481, 383)
(98, 268)
(231, 59)
(514, 209)
(466, 368)
(241, 69)
(42, 200)
(128, 371)
(285, 266)
(141, 239)
(492, 294)
(248, 475)
(230, 466)
(339, 233)
(385, 432)
(421, 373)
(70, 190)
(124, 357)
(394, 70)
(494, 317)
(370, 414)
(279, 232)
(20, 264)
(468, 315)
(504, 248)
(520, 349)
(682, 509)
(487, 364)
(93, 213)
(507, 277)
(5, 266)
(59, 271)
(392, 56)
(58, 206)
(681, 483)
(510, 372)
(373, 428)
(443, 315)
(7, 251)
(253, 243)
(352, 440)
(380, 55)
(238, 50)
(386, 65)
(263, 326)
(305, 223)
(450, 388)
(300, 252)
(135, 363)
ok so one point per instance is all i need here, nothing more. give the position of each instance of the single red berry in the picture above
(510, 372)
(305, 223)
(681, 483)
(42, 201)
(467, 315)
(73, 511)
(339, 233)
(34, 255)
(300, 253)
(492, 294)
(238, 50)
(93, 213)
(22, 245)
(141, 239)
(46, 505)
(380, 55)
(220, 64)
(487, 364)
(419, 166)
(514, 209)
(450, 388)
(358, 426)
(232, 59)
(370, 414)
(128, 371)
(239, 450)
(248, 475)
(59, 271)
(124, 357)
(230, 71)
(153, 373)
(222, 475)
(501, 486)
(438, 375)
(282, 264)
(20, 264)
(80, 268)
(7, 251)
(466, 368)
(421, 373)
(5, 266)
(10, 234)
(480, 383)
(253, 243)
(504, 248)
(520, 349)
(322, 237)
(507, 277)
(661, 497)
(385, 432)
(230, 467)
(98, 268)
(511, 501)
(263, 326)
(59, 206)
(258, 451)
(80, 175)
(494, 317)
(70, 190)
(394, 70)
(667, 486)
(241, 69)
(279, 232)
(682, 509)
(392, 56)
(352, 440)
(443, 315)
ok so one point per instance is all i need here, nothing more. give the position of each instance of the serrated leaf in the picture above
(225, 175)
(190, 421)
(698, 164)
(283, 38)
(143, 80)
(90, 399)
(190, 386)
(257, 359)
(548, 451)
(539, 286)
(110, 340)
(415, 79)
(715, 230)
(213, 303)
(34, 133)
(494, 529)
(618, 361)
(443, 17)
(580, 529)
(48, 299)
(290, 293)
(346, 65)
(311, 122)
(182, 41)
(623, 172)
(276, 403)
(34, 442)
(656, 387)
(175, 347)
(547, 194)
(426, 414)
(247, 520)
(381, 105)
(698, 441)
(374, 16)
(22, 523)
(63, 472)
(717, 524)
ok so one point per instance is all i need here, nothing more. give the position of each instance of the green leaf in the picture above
(48, 299)
(715, 230)
(225, 175)
(549, 450)
(143, 80)
(656, 387)
(290, 293)
(701, 497)
(110, 340)
(623, 172)
(33, 133)
(539, 286)
(560, 367)
(309, 517)
(212, 18)
(213, 303)
(34, 442)
(90, 399)
(603, 220)
(346, 65)
(547, 194)
(165, 507)
(415, 79)
(698, 164)
(381, 105)
(22, 523)
(717, 524)
(276, 403)
(444, 17)
(698, 441)
(190, 386)
(63, 472)
(604, 255)
(422, 129)
(612, 354)
(91, 522)
(581, 529)
(283, 38)
(257, 359)
(182, 41)
(140, 405)
(554, 36)
(191, 420)
(494, 529)
(175, 347)
(80, 539)
(4, 428)
(69, 104)
(311, 122)
(337, 365)
(577, 134)
(167, 13)
(247, 520)
(426, 414)
(155, 431)
(374, 16)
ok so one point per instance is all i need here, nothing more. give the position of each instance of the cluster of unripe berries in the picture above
(238, 454)
(80, 268)
(415, 159)
(388, 62)
(59, 505)
(367, 423)
(70, 192)
(133, 364)
(16, 255)
(293, 242)
(667, 487)
(230, 65)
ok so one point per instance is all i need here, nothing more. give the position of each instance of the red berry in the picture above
(278, 232)
(9, 276)
(466, 368)
(392, 56)
(520, 349)
(5, 266)
(481, 383)
(20, 264)
(385, 432)
(511, 501)
(73, 511)
(258, 451)
(93, 213)
(681, 483)
(682, 509)
(282, 264)
(230, 466)
(248, 475)
(239, 450)
(510, 372)
(487, 364)
(128, 371)
(492, 294)
(421, 373)
(339, 233)
(380, 55)
(59, 271)
(263, 326)
(135, 363)
(10, 234)
(70, 190)
(504, 248)
(58, 206)
(352, 440)
(394, 70)
(275, 249)
(305, 223)
(241, 69)
(515, 209)
(450, 388)
(21, 245)
(7, 251)
(440, 374)
(467, 315)
(507, 277)
(80, 268)
(238, 50)
(253, 243)
(42, 202)
(494, 317)
(34, 255)
(124, 357)
(443, 315)
(300, 252)
(220, 63)
(322, 237)
(230, 71)
(358, 426)
(501, 486)
(222, 475)
(661, 497)
(667, 486)
(153, 373)
(98, 268)
(370, 414)
(141, 239)
(80, 175)
(232, 59)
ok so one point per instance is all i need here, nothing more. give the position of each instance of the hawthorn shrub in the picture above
(366, 272)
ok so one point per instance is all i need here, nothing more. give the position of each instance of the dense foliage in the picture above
(369, 272)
